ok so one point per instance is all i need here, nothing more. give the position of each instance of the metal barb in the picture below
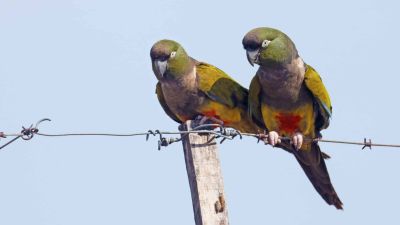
(40, 121)
(239, 133)
(367, 144)
(148, 134)
(162, 141)
(28, 133)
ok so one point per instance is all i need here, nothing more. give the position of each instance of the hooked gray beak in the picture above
(252, 56)
(160, 67)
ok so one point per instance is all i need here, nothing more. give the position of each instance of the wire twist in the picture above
(26, 133)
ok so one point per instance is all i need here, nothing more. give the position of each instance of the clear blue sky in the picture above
(86, 65)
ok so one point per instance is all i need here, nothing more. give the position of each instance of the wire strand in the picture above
(223, 132)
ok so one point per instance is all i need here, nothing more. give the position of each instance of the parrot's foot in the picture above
(273, 138)
(297, 140)
(202, 120)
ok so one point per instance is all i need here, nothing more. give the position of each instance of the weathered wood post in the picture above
(205, 178)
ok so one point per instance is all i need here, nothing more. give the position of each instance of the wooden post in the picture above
(205, 178)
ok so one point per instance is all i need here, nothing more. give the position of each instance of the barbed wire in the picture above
(219, 131)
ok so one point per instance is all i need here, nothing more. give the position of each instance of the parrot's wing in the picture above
(220, 87)
(314, 83)
(164, 105)
(255, 102)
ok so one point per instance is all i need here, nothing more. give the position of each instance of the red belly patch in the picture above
(288, 122)
(213, 114)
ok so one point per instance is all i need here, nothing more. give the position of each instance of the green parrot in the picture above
(189, 90)
(287, 98)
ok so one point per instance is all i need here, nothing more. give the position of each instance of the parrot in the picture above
(191, 90)
(288, 99)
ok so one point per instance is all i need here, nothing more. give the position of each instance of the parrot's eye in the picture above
(265, 43)
(172, 54)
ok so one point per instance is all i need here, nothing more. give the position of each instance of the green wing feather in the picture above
(255, 102)
(220, 87)
(164, 105)
(314, 83)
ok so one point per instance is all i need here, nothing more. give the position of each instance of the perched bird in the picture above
(189, 90)
(287, 98)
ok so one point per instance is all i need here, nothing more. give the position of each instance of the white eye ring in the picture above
(265, 43)
(172, 54)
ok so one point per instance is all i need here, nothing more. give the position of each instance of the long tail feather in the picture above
(314, 167)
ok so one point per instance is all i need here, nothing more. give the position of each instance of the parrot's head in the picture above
(268, 47)
(169, 60)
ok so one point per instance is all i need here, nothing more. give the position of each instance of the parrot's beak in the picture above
(160, 67)
(252, 56)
